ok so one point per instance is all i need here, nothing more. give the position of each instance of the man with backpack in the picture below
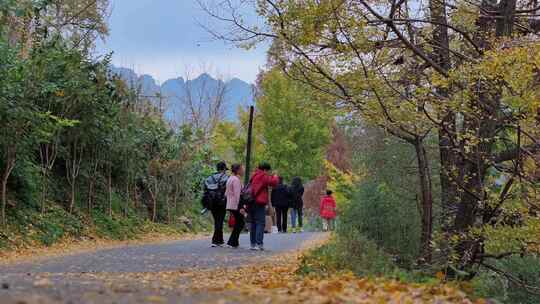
(214, 199)
(261, 181)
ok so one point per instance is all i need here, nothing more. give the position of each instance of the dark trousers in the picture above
(281, 218)
(258, 220)
(297, 214)
(237, 229)
(218, 213)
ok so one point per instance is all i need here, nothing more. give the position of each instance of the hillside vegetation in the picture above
(81, 154)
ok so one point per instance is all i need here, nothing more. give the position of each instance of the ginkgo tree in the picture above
(294, 126)
(422, 68)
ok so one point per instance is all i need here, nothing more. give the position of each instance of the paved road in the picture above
(65, 279)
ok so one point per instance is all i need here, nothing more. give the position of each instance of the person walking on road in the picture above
(261, 181)
(214, 200)
(327, 211)
(297, 204)
(281, 200)
(236, 210)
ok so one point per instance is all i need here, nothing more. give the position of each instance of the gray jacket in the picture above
(214, 181)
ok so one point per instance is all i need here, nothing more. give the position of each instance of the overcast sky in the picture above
(163, 38)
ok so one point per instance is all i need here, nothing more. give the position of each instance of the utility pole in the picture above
(248, 148)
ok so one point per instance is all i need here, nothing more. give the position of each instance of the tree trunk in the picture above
(154, 201)
(505, 19)
(44, 190)
(126, 205)
(447, 131)
(136, 203)
(91, 196)
(109, 188)
(47, 153)
(73, 165)
(72, 197)
(4, 198)
(10, 164)
(175, 199)
(168, 207)
(92, 186)
(426, 197)
(448, 158)
(474, 167)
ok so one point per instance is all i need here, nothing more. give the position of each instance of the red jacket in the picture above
(328, 207)
(260, 181)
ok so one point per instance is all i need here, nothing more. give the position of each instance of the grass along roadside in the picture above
(31, 235)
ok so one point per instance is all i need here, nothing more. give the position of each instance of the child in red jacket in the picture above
(328, 210)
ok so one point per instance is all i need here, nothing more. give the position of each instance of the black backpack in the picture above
(215, 197)
(247, 197)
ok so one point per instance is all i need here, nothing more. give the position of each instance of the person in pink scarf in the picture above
(236, 210)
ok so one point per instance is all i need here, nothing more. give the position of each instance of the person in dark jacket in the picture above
(261, 181)
(216, 185)
(281, 200)
(297, 203)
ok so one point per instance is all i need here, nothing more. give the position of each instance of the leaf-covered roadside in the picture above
(276, 279)
(75, 246)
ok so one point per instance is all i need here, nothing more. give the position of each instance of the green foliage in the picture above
(28, 226)
(227, 142)
(478, 90)
(82, 155)
(292, 128)
(25, 182)
(493, 285)
(385, 207)
(349, 252)
(377, 212)
(230, 139)
(55, 225)
(342, 184)
(117, 227)
(295, 126)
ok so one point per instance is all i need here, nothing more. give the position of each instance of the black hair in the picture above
(235, 168)
(265, 166)
(296, 182)
(221, 166)
(329, 192)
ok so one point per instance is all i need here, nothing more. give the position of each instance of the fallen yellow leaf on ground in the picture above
(274, 279)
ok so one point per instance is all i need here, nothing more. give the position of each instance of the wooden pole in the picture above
(249, 143)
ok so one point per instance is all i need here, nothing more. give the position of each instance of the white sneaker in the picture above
(216, 245)
(260, 248)
(253, 247)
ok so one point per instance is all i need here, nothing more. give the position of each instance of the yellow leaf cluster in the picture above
(276, 281)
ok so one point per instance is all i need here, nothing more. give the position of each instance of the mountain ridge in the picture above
(238, 93)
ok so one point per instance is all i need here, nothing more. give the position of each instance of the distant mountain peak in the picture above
(238, 94)
(204, 76)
